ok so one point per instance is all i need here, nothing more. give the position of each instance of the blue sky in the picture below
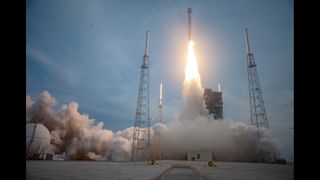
(90, 52)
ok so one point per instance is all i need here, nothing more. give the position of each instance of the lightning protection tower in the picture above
(141, 132)
(257, 109)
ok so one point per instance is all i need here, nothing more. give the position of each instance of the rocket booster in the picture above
(189, 22)
(160, 100)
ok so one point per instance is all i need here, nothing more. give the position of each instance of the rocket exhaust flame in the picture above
(192, 89)
(191, 70)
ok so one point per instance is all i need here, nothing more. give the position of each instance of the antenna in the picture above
(146, 46)
(247, 41)
(146, 57)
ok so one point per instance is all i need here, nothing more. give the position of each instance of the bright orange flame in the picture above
(191, 70)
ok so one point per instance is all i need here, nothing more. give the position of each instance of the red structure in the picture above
(213, 101)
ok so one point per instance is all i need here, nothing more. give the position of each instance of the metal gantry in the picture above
(141, 133)
(257, 109)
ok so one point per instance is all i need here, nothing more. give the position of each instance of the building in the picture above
(200, 155)
(213, 101)
(37, 141)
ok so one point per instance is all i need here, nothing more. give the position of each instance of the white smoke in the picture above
(226, 139)
(42, 108)
(119, 149)
(76, 135)
(71, 132)
(193, 101)
(29, 103)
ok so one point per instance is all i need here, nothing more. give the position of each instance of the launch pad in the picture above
(54, 170)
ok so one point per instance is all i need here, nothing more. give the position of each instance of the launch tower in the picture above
(257, 110)
(141, 132)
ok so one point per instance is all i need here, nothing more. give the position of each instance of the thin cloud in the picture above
(42, 58)
(59, 70)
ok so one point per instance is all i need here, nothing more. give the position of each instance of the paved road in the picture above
(181, 173)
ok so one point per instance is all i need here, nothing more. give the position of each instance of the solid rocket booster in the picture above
(189, 22)
(160, 100)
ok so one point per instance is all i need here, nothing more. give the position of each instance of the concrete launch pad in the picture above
(51, 170)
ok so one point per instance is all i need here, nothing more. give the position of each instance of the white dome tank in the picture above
(41, 138)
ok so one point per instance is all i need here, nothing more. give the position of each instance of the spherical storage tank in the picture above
(37, 138)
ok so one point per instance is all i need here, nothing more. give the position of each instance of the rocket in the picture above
(160, 99)
(189, 22)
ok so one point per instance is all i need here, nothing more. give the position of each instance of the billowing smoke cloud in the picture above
(225, 139)
(71, 132)
(78, 136)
